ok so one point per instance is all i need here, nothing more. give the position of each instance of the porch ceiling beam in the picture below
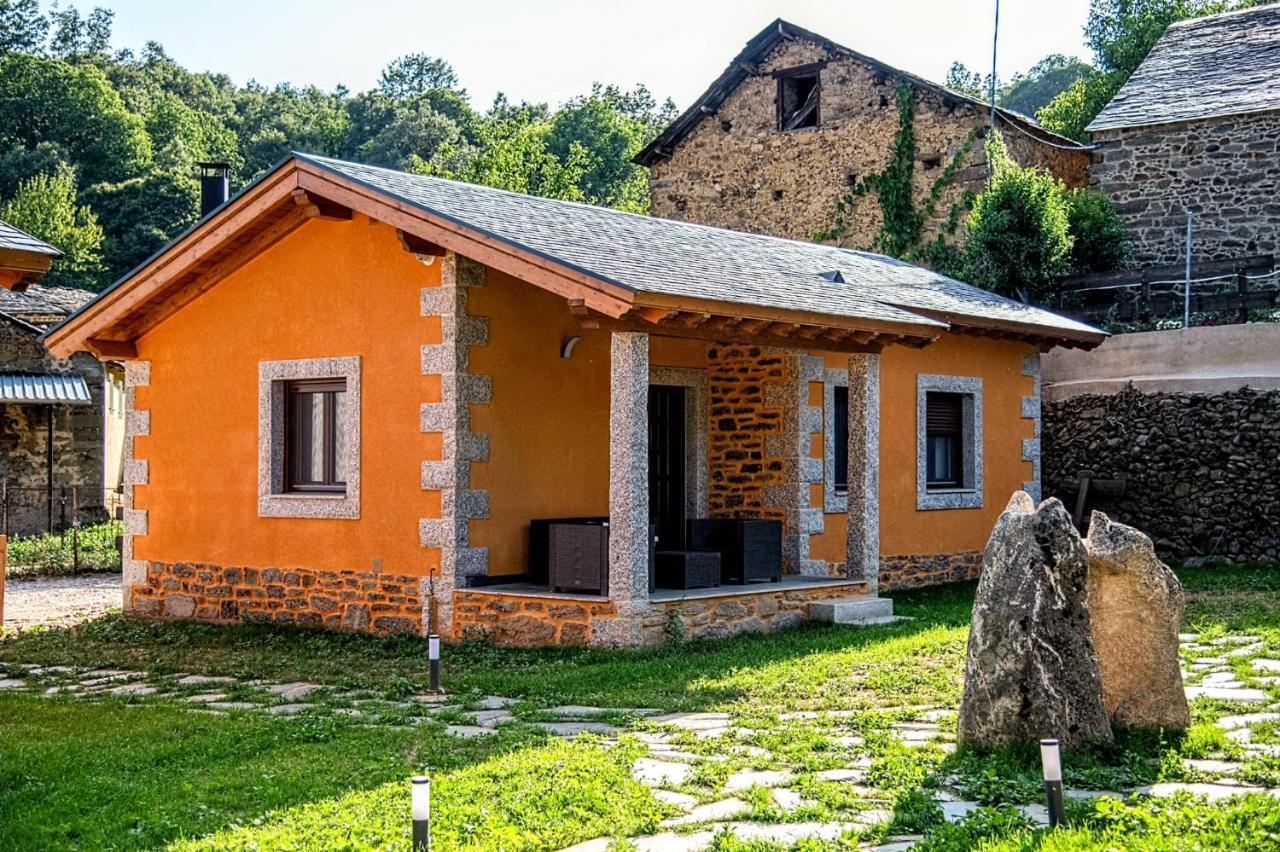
(714, 330)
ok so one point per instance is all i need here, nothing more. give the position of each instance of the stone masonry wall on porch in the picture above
(338, 600)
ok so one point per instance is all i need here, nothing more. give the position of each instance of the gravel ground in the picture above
(59, 601)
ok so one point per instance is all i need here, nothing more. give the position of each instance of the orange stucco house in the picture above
(352, 390)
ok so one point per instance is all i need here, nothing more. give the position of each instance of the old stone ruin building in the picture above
(796, 122)
(54, 412)
(1196, 130)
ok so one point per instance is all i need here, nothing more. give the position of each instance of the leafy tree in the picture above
(416, 74)
(77, 37)
(1027, 93)
(45, 206)
(971, 83)
(142, 214)
(74, 106)
(1100, 242)
(611, 125)
(414, 129)
(1024, 93)
(183, 136)
(1071, 111)
(1018, 235)
(22, 28)
(513, 153)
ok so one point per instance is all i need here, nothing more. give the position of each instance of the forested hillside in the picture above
(98, 146)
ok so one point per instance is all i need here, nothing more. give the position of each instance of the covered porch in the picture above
(707, 420)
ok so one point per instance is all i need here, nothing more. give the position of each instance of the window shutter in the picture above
(942, 414)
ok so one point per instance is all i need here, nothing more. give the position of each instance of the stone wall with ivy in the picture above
(737, 170)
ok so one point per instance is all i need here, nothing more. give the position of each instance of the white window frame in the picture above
(970, 496)
(273, 380)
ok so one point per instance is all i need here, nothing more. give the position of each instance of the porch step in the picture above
(869, 610)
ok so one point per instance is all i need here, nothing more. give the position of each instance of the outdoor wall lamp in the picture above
(566, 350)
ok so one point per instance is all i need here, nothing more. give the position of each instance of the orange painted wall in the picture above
(548, 421)
(328, 289)
(903, 529)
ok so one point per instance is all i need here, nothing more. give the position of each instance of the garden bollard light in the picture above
(433, 653)
(1051, 761)
(421, 801)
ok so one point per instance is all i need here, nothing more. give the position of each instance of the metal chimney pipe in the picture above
(215, 186)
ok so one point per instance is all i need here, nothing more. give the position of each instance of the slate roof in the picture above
(1222, 65)
(16, 239)
(766, 40)
(645, 254)
(41, 301)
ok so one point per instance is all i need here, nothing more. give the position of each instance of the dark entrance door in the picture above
(666, 465)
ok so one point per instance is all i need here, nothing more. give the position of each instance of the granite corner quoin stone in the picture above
(1135, 607)
(1032, 671)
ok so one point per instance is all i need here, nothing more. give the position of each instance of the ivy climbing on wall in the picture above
(901, 233)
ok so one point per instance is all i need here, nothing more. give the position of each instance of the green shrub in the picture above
(1100, 242)
(91, 548)
(1019, 240)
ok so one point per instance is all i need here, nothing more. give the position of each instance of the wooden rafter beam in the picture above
(419, 246)
(315, 207)
(106, 350)
(655, 315)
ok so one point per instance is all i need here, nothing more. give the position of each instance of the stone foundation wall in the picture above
(527, 620)
(1200, 470)
(1224, 171)
(737, 170)
(912, 572)
(714, 618)
(346, 600)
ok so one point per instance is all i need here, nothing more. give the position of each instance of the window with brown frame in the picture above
(315, 452)
(945, 434)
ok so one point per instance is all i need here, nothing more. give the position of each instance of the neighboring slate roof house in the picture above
(1196, 129)
(51, 409)
(483, 360)
(23, 258)
(797, 120)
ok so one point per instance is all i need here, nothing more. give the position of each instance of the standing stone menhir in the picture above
(1032, 671)
(1135, 605)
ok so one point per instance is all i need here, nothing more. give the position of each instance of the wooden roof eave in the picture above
(1027, 332)
(104, 318)
(904, 332)
(606, 297)
(20, 269)
(135, 304)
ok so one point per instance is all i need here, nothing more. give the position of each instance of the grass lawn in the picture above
(142, 773)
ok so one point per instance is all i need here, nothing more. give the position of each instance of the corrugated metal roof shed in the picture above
(43, 388)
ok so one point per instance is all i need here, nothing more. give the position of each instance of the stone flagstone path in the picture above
(683, 749)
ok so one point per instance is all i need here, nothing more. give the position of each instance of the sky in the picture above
(551, 50)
